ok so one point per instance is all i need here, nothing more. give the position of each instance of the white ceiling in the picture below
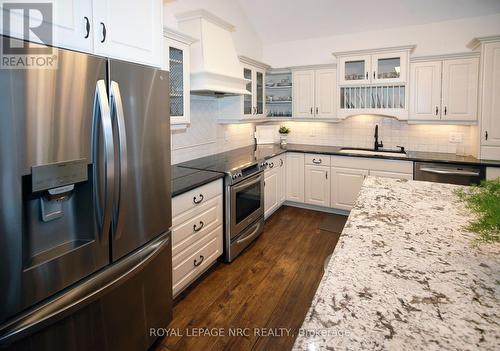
(287, 20)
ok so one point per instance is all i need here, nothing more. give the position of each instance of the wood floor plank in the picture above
(270, 285)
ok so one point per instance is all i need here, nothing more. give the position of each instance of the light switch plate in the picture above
(456, 138)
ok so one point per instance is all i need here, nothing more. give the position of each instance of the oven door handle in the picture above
(249, 236)
(245, 184)
(450, 171)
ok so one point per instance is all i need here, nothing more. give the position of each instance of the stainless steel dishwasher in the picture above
(450, 173)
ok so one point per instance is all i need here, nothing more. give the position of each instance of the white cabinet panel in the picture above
(303, 93)
(317, 185)
(389, 67)
(492, 173)
(354, 70)
(128, 29)
(394, 175)
(295, 177)
(425, 91)
(71, 21)
(271, 195)
(460, 85)
(490, 114)
(282, 178)
(345, 186)
(326, 88)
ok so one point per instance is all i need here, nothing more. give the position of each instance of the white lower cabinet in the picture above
(317, 185)
(197, 233)
(295, 177)
(274, 185)
(492, 173)
(345, 186)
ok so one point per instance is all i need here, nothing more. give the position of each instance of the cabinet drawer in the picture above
(274, 164)
(196, 227)
(318, 160)
(373, 164)
(187, 267)
(196, 197)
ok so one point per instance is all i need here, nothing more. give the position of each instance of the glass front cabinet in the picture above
(254, 103)
(383, 67)
(176, 61)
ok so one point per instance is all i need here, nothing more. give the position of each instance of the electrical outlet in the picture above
(456, 138)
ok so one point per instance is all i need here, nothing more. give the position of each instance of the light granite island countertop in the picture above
(405, 276)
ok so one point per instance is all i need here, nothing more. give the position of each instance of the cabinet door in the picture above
(345, 186)
(491, 95)
(128, 30)
(71, 22)
(354, 70)
(177, 63)
(303, 94)
(460, 85)
(326, 88)
(425, 92)
(394, 175)
(248, 109)
(282, 179)
(271, 187)
(295, 177)
(259, 95)
(389, 67)
(317, 185)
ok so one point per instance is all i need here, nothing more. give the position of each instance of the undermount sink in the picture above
(372, 152)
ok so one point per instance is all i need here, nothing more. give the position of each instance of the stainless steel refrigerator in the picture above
(85, 205)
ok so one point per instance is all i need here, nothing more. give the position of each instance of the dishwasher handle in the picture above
(459, 172)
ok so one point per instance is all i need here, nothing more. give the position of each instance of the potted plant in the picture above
(283, 134)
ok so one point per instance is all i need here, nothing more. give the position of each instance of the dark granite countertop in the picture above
(185, 179)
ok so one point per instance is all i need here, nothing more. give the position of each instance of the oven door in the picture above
(247, 203)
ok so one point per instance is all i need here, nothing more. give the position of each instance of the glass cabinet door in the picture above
(176, 58)
(355, 70)
(388, 67)
(247, 99)
(260, 93)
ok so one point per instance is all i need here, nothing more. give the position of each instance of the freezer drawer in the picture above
(112, 310)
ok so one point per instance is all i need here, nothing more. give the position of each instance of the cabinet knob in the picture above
(316, 161)
(317, 110)
(311, 110)
(437, 110)
(197, 229)
(445, 110)
(486, 135)
(196, 262)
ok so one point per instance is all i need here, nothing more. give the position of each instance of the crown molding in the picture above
(252, 62)
(179, 36)
(408, 48)
(474, 43)
(204, 14)
(458, 55)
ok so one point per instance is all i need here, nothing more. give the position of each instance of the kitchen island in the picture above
(405, 276)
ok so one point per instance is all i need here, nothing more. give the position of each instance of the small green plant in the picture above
(484, 200)
(284, 130)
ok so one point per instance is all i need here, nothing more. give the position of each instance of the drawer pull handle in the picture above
(197, 229)
(317, 161)
(196, 263)
(271, 165)
(196, 201)
(281, 162)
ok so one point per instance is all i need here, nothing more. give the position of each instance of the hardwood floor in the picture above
(271, 285)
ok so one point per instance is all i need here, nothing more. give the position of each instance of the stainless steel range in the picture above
(244, 208)
(243, 196)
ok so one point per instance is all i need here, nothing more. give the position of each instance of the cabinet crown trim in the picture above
(313, 67)
(474, 43)
(252, 62)
(459, 55)
(204, 14)
(179, 36)
(408, 48)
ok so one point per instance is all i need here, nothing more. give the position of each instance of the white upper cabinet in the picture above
(71, 23)
(176, 56)
(389, 67)
(460, 86)
(325, 92)
(425, 100)
(128, 30)
(444, 90)
(354, 69)
(303, 94)
(314, 93)
(489, 48)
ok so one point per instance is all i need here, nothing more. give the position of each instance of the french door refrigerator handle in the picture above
(117, 111)
(85, 293)
(102, 114)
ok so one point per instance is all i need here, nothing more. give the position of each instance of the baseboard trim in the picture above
(316, 208)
